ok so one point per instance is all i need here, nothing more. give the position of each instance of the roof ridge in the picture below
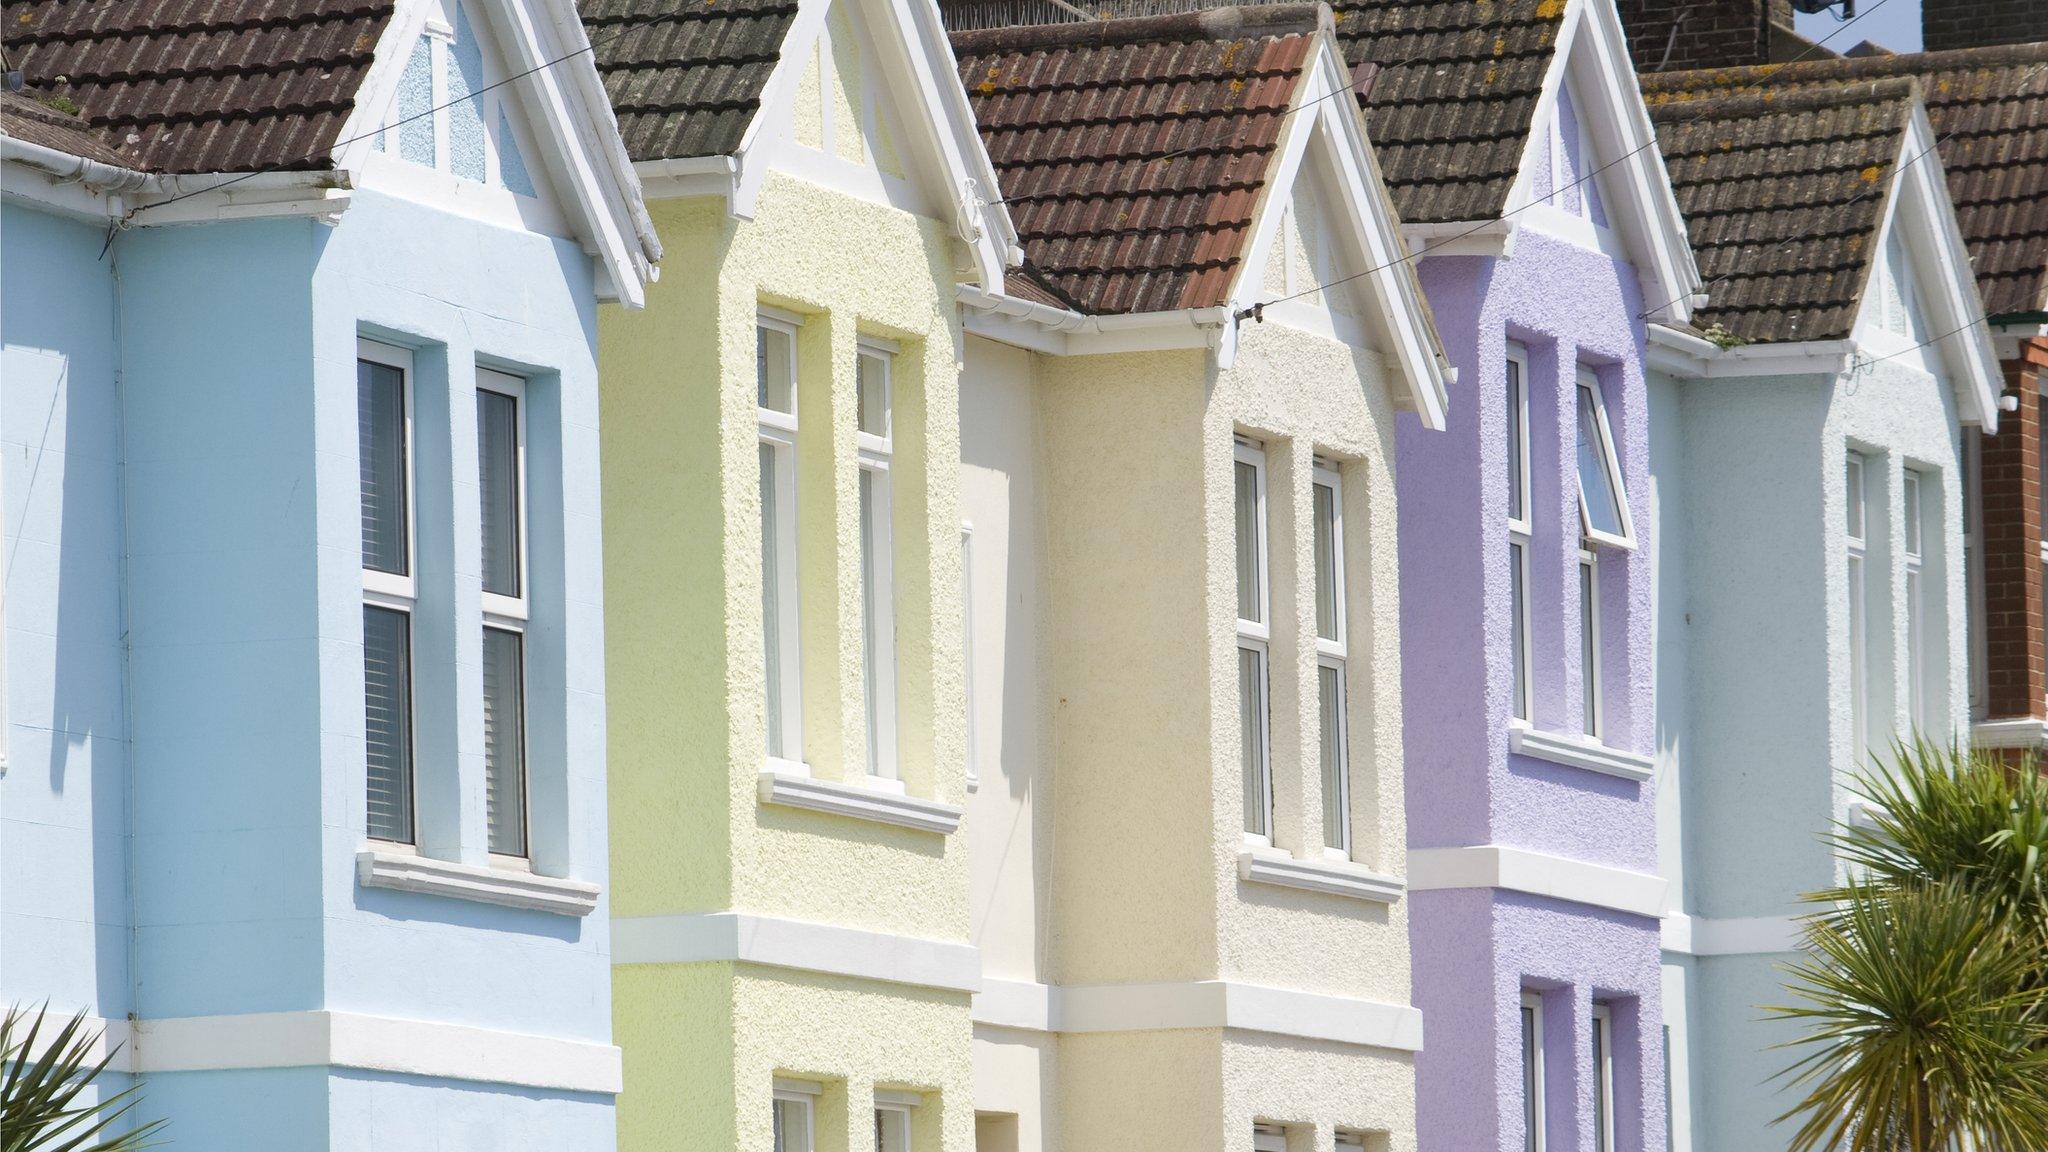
(1734, 102)
(1229, 23)
(1862, 67)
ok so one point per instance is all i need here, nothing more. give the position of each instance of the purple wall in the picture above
(1476, 950)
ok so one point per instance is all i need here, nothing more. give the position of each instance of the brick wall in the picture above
(1946, 24)
(1711, 33)
(2015, 655)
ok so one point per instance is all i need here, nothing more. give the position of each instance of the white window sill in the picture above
(1580, 752)
(1271, 866)
(411, 872)
(2020, 733)
(797, 790)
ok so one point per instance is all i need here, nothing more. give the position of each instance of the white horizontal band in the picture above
(1538, 874)
(408, 872)
(1198, 1004)
(1579, 752)
(2021, 733)
(860, 802)
(353, 1040)
(1335, 878)
(797, 944)
(1734, 936)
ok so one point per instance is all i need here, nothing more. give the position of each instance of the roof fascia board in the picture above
(1647, 215)
(1376, 243)
(1936, 242)
(754, 156)
(688, 177)
(1491, 238)
(1062, 332)
(1687, 356)
(91, 190)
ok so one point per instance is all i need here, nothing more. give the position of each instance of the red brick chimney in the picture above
(1679, 35)
(1946, 24)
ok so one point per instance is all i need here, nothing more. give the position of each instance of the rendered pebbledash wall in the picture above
(1476, 948)
(220, 477)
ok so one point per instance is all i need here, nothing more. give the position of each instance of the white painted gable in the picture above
(1307, 253)
(454, 134)
(1894, 321)
(850, 123)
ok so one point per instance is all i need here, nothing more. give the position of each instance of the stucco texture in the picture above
(688, 741)
(1568, 307)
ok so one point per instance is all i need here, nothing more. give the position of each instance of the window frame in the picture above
(512, 614)
(1535, 1113)
(803, 1094)
(1588, 379)
(393, 592)
(1334, 653)
(893, 1111)
(1603, 1077)
(874, 454)
(1856, 541)
(1912, 493)
(1521, 706)
(1268, 1137)
(1256, 636)
(1592, 682)
(776, 431)
(971, 760)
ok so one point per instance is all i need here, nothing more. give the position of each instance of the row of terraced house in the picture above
(989, 575)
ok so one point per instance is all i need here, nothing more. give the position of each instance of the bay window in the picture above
(776, 414)
(877, 554)
(1328, 512)
(501, 483)
(1254, 634)
(390, 591)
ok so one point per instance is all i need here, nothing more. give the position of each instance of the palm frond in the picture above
(42, 1086)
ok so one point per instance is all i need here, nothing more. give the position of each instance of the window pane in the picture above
(771, 598)
(873, 386)
(792, 1126)
(1336, 825)
(504, 742)
(1910, 492)
(1855, 496)
(387, 722)
(380, 432)
(1251, 598)
(1589, 641)
(878, 671)
(1532, 1107)
(1596, 483)
(1327, 589)
(1251, 718)
(1857, 678)
(1518, 627)
(497, 456)
(1916, 654)
(774, 359)
(1603, 1132)
(1517, 436)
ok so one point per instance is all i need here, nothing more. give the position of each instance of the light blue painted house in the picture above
(304, 782)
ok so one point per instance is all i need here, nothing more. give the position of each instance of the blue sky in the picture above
(1892, 23)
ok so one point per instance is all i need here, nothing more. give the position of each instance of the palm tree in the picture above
(1924, 985)
(40, 1105)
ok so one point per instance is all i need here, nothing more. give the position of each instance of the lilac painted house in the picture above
(1551, 241)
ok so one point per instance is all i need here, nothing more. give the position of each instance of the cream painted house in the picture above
(1186, 835)
(781, 470)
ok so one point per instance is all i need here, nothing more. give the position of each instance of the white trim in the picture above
(859, 801)
(90, 190)
(1589, 382)
(1579, 752)
(881, 686)
(1592, 709)
(1200, 1004)
(892, 1098)
(1681, 353)
(971, 765)
(1738, 936)
(1269, 1138)
(1490, 238)
(802, 945)
(320, 1038)
(2025, 732)
(513, 888)
(1603, 1078)
(1255, 635)
(1534, 1086)
(1522, 677)
(1336, 878)
(1537, 874)
(791, 1086)
(1333, 653)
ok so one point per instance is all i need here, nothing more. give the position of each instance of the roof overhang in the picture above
(107, 193)
(1063, 332)
(1592, 51)
(919, 64)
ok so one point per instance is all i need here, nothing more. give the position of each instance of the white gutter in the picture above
(118, 192)
(1062, 331)
(1687, 355)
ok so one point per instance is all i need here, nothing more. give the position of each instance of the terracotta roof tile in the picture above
(201, 85)
(1132, 153)
(1450, 106)
(1783, 195)
(1989, 108)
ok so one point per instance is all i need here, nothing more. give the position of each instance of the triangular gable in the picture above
(498, 103)
(1326, 165)
(865, 95)
(1591, 85)
(1920, 305)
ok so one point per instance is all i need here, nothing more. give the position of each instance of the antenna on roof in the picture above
(1811, 7)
